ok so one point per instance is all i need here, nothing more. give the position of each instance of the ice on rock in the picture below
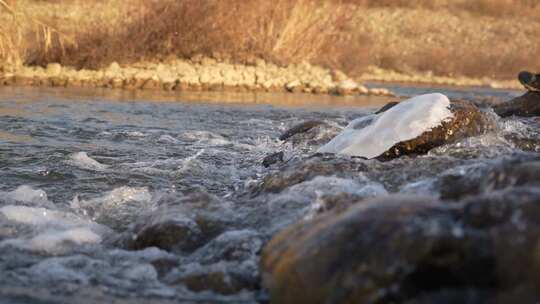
(141, 272)
(407, 120)
(83, 161)
(60, 269)
(25, 195)
(51, 231)
(308, 198)
(334, 185)
(39, 216)
(117, 208)
(236, 245)
(54, 241)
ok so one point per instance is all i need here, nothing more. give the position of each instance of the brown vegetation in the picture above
(474, 38)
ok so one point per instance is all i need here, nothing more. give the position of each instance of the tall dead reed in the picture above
(23, 36)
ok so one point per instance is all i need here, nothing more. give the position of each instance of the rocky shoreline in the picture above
(196, 74)
(383, 75)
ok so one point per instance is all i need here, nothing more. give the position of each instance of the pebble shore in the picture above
(382, 75)
(196, 74)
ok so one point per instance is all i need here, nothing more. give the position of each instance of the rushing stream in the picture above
(81, 172)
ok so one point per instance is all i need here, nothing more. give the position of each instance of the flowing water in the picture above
(79, 168)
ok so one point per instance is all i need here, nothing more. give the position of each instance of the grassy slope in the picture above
(476, 38)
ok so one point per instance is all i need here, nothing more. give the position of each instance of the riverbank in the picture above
(204, 74)
(429, 41)
(196, 74)
(383, 75)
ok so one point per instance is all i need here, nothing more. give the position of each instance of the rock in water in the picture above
(527, 104)
(530, 81)
(413, 126)
(406, 249)
(387, 107)
(467, 121)
(300, 128)
(273, 159)
(405, 121)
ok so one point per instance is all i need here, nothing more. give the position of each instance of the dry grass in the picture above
(449, 37)
(282, 31)
(495, 8)
(23, 36)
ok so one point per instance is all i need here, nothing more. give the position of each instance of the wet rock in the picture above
(387, 107)
(512, 174)
(53, 69)
(272, 159)
(407, 249)
(237, 245)
(179, 225)
(467, 121)
(300, 128)
(310, 135)
(525, 105)
(412, 127)
(482, 179)
(299, 171)
(346, 87)
(167, 230)
(294, 86)
(224, 278)
(530, 81)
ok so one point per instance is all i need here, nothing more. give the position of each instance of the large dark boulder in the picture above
(407, 249)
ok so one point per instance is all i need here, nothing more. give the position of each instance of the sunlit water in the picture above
(79, 168)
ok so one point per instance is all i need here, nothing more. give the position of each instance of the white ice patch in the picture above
(26, 195)
(407, 120)
(51, 231)
(83, 161)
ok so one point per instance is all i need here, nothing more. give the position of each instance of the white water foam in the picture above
(407, 120)
(206, 137)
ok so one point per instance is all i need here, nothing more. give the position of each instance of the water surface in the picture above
(78, 167)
